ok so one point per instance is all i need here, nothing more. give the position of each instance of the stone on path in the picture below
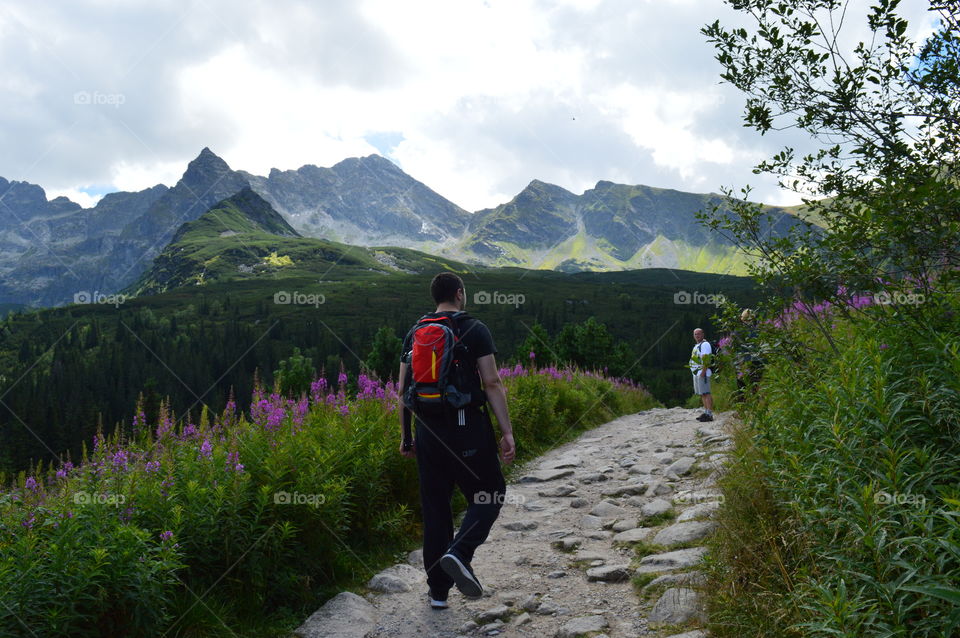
(677, 559)
(520, 526)
(680, 467)
(395, 579)
(530, 603)
(625, 489)
(703, 510)
(558, 490)
(689, 579)
(522, 619)
(609, 509)
(696, 633)
(415, 558)
(656, 507)
(609, 573)
(684, 533)
(582, 626)
(658, 488)
(624, 524)
(541, 476)
(695, 497)
(644, 469)
(632, 535)
(579, 502)
(494, 613)
(562, 463)
(346, 615)
(676, 606)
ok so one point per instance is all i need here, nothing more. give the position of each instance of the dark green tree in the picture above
(384, 354)
(538, 342)
(880, 182)
(295, 374)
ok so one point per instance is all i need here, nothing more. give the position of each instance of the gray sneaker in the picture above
(462, 575)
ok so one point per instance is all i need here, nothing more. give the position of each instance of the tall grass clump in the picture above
(242, 524)
(842, 512)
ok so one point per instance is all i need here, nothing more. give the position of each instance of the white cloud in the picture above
(85, 199)
(485, 94)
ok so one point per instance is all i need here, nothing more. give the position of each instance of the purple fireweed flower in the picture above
(344, 409)
(31, 484)
(120, 459)
(229, 413)
(259, 410)
(342, 378)
(300, 410)
(64, 470)
(165, 536)
(166, 424)
(139, 421)
(274, 418)
(189, 431)
(533, 355)
(28, 523)
(206, 449)
(152, 466)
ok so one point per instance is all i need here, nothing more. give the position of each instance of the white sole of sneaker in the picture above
(438, 604)
(465, 581)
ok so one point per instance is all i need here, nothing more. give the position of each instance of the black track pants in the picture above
(465, 456)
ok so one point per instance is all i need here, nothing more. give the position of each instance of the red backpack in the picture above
(438, 372)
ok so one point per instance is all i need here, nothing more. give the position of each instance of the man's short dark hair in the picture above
(444, 287)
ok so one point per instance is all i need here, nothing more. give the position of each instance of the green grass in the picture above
(841, 498)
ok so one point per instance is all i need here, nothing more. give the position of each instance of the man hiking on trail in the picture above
(700, 366)
(446, 356)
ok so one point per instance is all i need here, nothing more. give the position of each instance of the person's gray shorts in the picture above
(701, 385)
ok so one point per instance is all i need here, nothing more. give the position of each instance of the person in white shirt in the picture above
(700, 359)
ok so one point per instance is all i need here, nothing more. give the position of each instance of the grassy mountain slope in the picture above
(243, 238)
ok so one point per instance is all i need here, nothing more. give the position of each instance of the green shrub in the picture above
(196, 529)
(857, 454)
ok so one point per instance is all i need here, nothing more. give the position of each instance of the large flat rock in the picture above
(396, 579)
(634, 535)
(677, 559)
(346, 615)
(688, 532)
(677, 605)
(582, 626)
(542, 476)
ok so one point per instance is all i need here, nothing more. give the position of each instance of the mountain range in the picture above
(52, 249)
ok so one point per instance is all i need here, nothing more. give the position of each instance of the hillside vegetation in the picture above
(241, 524)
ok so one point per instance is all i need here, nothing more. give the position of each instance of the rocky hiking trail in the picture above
(562, 558)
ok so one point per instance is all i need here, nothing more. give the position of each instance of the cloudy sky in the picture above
(473, 97)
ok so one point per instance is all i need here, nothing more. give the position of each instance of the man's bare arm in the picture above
(497, 396)
(402, 408)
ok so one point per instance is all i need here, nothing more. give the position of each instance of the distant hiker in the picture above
(700, 366)
(446, 356)
(745, 354)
